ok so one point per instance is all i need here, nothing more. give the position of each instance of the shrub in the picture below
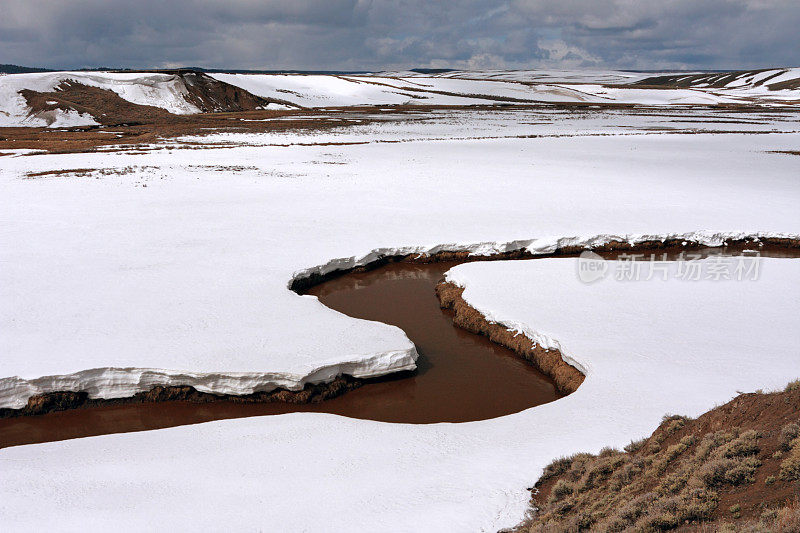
(663, 514)
(603, 467)
(769, 515)
(699, 504)
(672, 453)
(725, 470)
(560, 489)
(663, 521)
(608, 452)
(710, 442)
(578, 465)
(635, 445)
(788, 520)
(556, 468)
(743, 472)
(789, 432)
(713, 473)
(742, 446)
(790, 467)
(669, 425)
(675, 482)
(654, 448)
(793, 386)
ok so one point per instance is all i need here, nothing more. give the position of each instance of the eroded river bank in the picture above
(460, 377)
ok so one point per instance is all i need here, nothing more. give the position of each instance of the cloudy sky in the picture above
(382, 34)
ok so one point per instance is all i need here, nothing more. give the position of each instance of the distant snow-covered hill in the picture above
(44, 99)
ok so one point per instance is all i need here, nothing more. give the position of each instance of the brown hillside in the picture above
(735, 468)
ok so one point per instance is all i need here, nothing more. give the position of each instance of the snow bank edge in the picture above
(111, 382)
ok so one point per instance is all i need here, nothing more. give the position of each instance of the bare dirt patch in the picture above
(80, 172)
(91, 172)
(104, 105)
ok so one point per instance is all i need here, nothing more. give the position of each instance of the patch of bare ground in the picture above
(104, 105)
(566, 377)
(97, 172)
(785, 152)
(211, 95)
(79, 172)
(735, 468)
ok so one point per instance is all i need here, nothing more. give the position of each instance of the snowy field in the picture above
(651, 347)
(175, 269)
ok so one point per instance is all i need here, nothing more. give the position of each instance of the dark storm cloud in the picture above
(379, 34)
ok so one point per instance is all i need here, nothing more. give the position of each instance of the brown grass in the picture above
(736, 468)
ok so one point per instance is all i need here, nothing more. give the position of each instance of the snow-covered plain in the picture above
(188, 276)
(650, 347)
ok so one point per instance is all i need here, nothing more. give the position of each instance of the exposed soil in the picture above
(736, 463)
(771, 246)
(550, 361)
(460, 376)
(213, 96)
(80, 172)
(61, 401)
(104, 105)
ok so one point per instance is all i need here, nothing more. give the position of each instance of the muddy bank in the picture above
(673, 247)
(41, 404)
(461, 376)
(566, 377)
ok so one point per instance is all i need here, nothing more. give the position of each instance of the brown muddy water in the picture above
(460, 377)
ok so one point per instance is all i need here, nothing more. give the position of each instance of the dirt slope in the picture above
(104, 105)
(736, 467)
